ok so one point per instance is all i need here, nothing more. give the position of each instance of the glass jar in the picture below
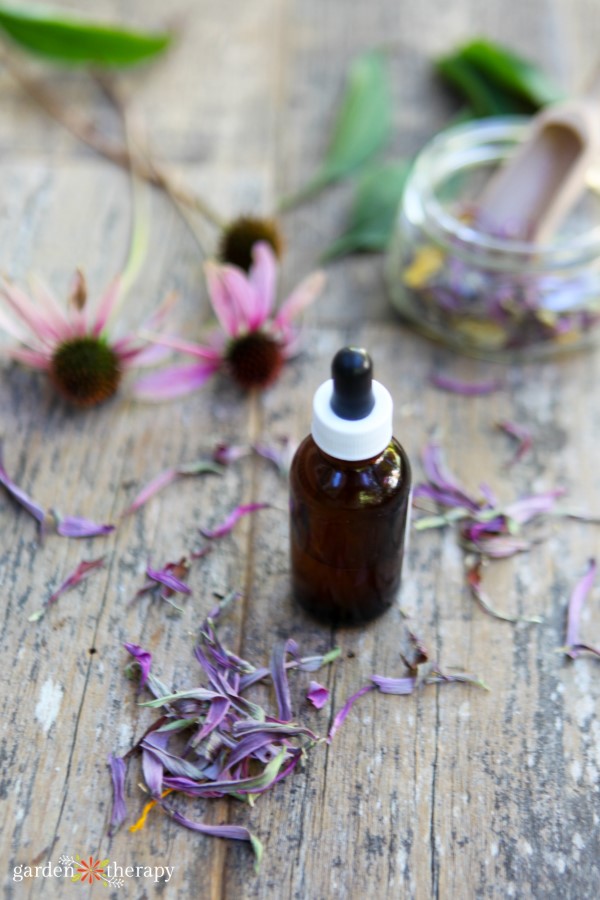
(484, 294)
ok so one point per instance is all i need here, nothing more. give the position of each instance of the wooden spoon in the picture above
(531, 194)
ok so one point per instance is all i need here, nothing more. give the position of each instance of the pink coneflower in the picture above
(253, 343)
(72, 345)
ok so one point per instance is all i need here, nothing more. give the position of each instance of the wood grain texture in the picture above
(452, 793)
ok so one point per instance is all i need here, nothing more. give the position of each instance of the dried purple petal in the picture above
(81, 572)
(232, 519)
(153, 772)
(474, 582)
(281, 454)
(233, 832)
(387, 685)
(528, 508)
(76, 527)
(521, 435)
(305, 664)
(118, 770)
(23, 499)
(166, 577)
(278, 673)
(226, 454)
(143, 658)
(241, 728)
(163, 479)
(218, 709)
(341, 715)
(153, 487)
(576, 604)
(466, 388)
(440, 478)
(318, 694)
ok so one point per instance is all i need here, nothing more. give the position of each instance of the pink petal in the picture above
(343, 712)
(263, 277)
(54, 311)
(576, 603)
(233, 297)
(14, 329)
(520, 434)
(200, 351)
(305, 294)
(32, 358)
(106, 307)
(27, 311)
(318, 694)
(130, 355)
(81, 572)
(233, 518)
(173, 382)
(153, 487)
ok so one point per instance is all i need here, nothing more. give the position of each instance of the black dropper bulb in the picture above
(352, 373)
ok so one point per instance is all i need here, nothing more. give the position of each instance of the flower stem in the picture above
(137, 150)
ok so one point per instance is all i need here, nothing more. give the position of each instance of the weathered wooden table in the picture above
(452, 792)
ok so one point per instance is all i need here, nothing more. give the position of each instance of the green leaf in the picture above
(484, 98)
(495, 81)
(373, 211)
(77, 41)
(511, 72)
(361, 128)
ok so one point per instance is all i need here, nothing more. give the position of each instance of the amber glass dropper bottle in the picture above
(349, 498)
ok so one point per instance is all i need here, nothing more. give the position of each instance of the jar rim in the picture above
(446, 154)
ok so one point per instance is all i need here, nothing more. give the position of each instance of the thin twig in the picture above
(85, 130)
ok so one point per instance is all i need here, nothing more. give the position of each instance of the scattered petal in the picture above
(76, 527)
(232, 519)
(281, 454)
(386, 685)
(278, 673)
(164, 479)
(521, 435)
(153, 487)
(225, 454)
(118, 770)
(528, 508)
(143, 658)
(166, 577)
(233, 832)
(576, 604)
(474, 582)
(466, 388)
(81, 572)
(318, 694)
(341, 715)
(23, 499)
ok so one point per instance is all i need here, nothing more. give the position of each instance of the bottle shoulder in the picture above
(361, 483)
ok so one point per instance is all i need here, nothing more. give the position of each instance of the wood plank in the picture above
(450, 793)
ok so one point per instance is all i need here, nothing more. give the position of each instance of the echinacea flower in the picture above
(72, 344)
(253, 343)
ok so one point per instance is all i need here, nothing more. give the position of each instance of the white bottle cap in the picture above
(352, 414)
